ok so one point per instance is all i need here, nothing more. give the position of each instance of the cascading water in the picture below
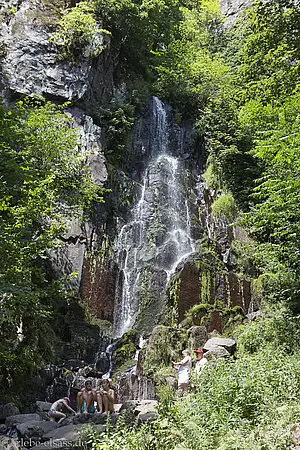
(158, 236)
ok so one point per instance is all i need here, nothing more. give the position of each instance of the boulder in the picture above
(197, 336)
(146, 406)
(67, 432)
(117, 407)
(3, 429)
(63, 437)
(82, 419)
(12, 421)
(9, 409)
(95, 418)
(7, 443)
(129, 405)
(227, 343)
(35, 429)
(42, 406)
(140, 407)
(147, 417)
(217, 353)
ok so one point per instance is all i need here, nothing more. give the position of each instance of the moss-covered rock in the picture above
(165, 344)
(203, 288)
(125, 349)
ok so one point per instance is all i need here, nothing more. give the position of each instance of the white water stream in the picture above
(158, 235)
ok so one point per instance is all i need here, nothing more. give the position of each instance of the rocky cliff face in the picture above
(30, 64)
(155, 253)
(233, 8)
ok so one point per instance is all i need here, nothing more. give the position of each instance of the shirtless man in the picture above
(55, 410)
(106, 397)
(85, 398)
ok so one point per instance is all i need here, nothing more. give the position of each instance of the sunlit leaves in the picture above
(42, 182)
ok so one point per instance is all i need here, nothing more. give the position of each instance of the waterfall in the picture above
(158, 235)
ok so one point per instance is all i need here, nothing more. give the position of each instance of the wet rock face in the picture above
(190, 289)
(158, 233)
(98, 287)
(148, 140)
(207, 282)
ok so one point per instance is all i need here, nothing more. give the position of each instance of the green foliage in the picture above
(138, 28)
(274, 331)
(78, 32)
(274, 219)
(189, 75)
(42, 183)
(164, 346)
(126, 348)
(117, 121)
(212, 174)
(224, 207)
(150, 436)
(271, 54)
(244, 404)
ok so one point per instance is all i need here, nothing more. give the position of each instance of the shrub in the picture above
(224, 207)
(275, 332)
(78, 33)
(244, 404)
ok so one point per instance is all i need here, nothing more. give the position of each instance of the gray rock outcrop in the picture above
(142, 410)
(228, 344)
(35, 429)
(69, 257)
(31, 64)
(132, 387)
(217, 352)
(9, 409)
(43, 406)
(197, 336)
(232, 8)
(12, 421)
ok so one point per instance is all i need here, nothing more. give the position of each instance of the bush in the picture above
(243, 404)
(224, 207)
(78, 33)
(280, 331)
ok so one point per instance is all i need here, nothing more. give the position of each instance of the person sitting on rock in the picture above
(183, 368)
(55, 411)
(106, 397)
(201, 361)
(85, 398)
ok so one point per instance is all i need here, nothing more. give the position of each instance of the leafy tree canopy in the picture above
(42, 182)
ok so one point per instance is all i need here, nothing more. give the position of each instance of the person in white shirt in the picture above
(183, 368)
(201, 361)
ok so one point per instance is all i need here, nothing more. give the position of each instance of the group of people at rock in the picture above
(86, 400)
(90, 400)
(184, 368)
